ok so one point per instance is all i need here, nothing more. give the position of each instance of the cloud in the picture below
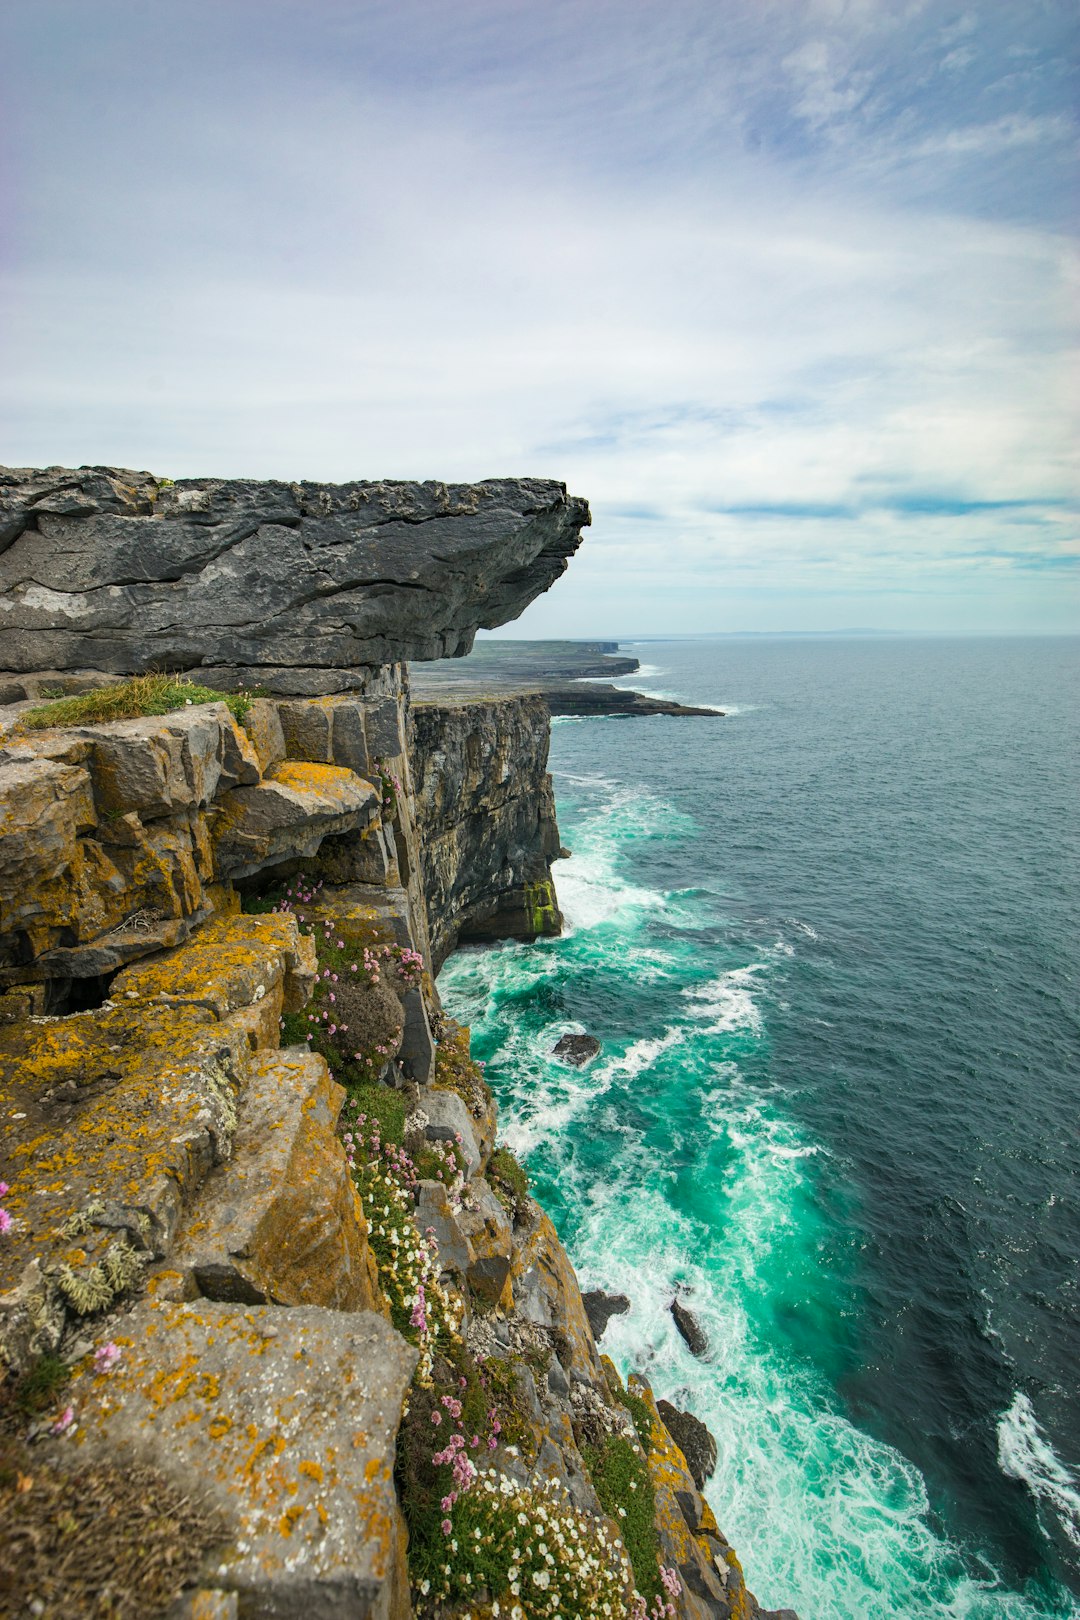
(758, 279)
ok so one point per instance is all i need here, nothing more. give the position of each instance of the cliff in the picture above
(486, 811)
(284, 1332)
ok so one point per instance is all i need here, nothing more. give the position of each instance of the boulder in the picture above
(577, 1049)
(692, 1333)
(290, 585)
(601, 1307)
(287, 815)
(283, 1422)
(280, 1221)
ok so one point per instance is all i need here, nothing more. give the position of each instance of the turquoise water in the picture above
(830, 946)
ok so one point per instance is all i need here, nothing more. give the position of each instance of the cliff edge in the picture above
(284, 1332)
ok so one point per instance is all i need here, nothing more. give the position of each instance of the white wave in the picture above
(728, 1001)
(1024, 1453)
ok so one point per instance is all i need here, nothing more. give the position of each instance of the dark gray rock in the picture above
(693, 1440)
(577, 1049)
(106, 569)
(601, 1307)
(486, 816)
(687, 1325)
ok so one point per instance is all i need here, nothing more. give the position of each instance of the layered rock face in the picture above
(289, 585)
(486, 813)
(253, 1208)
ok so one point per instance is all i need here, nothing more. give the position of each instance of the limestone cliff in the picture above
(486, 813)
(290, 585)
(262, 1260)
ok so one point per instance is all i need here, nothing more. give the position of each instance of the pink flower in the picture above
(446, 1527)
(106, 1356)
(436, 1418)
(64, 1421)
(5, 1221)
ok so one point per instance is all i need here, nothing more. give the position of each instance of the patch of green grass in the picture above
(509, 1180)
(156, 693)
(620, 1476)
(641, 1416)
(38, 1390)
(383, 1104)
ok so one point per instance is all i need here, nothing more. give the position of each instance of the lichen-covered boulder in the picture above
(284, 1423)
(280, 1220)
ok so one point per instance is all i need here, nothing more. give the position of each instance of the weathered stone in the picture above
(44, 807)
(231, 963)
(284, 1423)
(111, 1119)
(205, 1604)
(288, 815)
(693, 1440)
(417, 1042)
(577, 1049)
(281, 1221)
(260, 576)
(689, 1540)
(690, 1329)
(474, 1237)
(161, 764)
(546, 1292)
(448, 1120)
(486, 816)
(263, 725)
(601, 1307)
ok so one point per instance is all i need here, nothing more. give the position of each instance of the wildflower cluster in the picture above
(390, 788)
(5, 1215)
(527, 1552)
(408, 1261)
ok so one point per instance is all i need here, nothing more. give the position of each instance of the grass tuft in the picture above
(129, 700)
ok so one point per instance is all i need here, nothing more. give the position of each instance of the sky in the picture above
(788, 289)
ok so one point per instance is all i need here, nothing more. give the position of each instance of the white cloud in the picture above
(767, 377)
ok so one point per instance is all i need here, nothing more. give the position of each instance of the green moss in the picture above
(385, 1105)
(540, 906)
(620, 1476)
(641, 1417)
(129, 700)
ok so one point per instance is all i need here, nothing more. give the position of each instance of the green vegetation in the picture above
(620, 1476)
(129, 700)
(509, 1181)
(638, 1409)
(38, 1389)
(540, 906)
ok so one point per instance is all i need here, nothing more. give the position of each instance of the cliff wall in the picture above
(284, 1332)
(486, 814)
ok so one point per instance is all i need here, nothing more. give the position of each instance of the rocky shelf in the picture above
(563, 672)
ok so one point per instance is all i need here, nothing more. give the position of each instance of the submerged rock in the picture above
(601, 1307)
(693, 1334)
(693, 1440)
(577, 1049)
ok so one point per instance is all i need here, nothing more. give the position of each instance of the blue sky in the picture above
(787, 288)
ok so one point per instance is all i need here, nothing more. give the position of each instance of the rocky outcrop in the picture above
(486, 813)
(289, 585)
(693, 1439)
(254, 1221)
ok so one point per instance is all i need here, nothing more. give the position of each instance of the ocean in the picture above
(831, 945)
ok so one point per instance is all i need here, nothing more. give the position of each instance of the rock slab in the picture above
(284, 1422)
(107, 569)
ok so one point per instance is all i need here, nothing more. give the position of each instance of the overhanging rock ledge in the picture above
(291, 585)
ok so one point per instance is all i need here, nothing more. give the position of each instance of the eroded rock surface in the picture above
(284, 1421)
(106, 569)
